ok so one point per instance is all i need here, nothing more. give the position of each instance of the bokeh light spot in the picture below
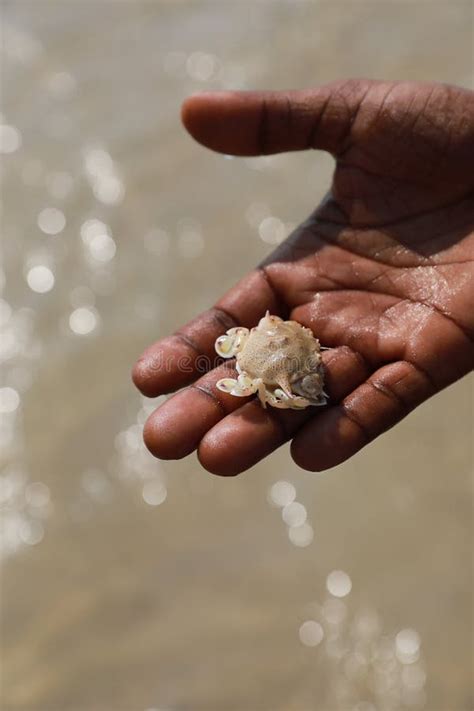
(407, 646)
(301, 536)
(281, 493)
(311, 633)
(338, 583)
(9, 400)
(51, 221)
(31, 532)
(40, 278)
(10, 139)
(294, 514)
(83, 320)
(154, 492)
(272, 230)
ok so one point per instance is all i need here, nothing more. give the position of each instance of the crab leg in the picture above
(262, 391)
(243, 386)
(228, 345)
(278, 398)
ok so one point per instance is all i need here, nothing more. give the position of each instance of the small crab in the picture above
(279, 360)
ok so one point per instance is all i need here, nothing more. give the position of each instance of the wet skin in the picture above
(381, 272)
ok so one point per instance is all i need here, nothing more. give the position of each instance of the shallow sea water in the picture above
(130, 584)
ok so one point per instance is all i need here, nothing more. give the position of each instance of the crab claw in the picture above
(224, 346)
(228, 345)
(280, 399)
(243, 386)
(226, 385)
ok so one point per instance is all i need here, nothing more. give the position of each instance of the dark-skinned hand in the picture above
(381, 272)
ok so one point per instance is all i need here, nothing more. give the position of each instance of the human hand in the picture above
(381, 272)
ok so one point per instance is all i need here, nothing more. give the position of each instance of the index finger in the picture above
(177, 360)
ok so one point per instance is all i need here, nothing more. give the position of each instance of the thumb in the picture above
(249, 123)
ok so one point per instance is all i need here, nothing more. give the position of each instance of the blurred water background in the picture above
(130, 584)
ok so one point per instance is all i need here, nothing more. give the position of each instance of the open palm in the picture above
(381, 272)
